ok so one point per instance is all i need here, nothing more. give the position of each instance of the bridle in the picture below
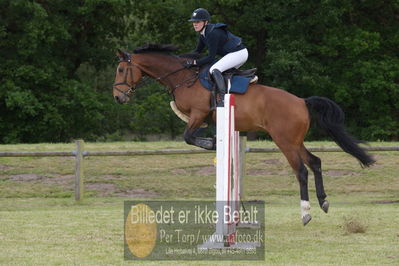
(129, 70)
(132, 88)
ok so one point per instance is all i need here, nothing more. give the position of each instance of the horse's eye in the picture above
(120, 70)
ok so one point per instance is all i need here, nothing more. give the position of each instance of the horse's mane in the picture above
(164, 49)
(155, 47)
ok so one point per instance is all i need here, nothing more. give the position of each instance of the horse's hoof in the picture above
(306, 219)
(325, 206)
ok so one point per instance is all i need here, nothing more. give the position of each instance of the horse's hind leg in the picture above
(303, 183)
(293, 156)
(314, 164)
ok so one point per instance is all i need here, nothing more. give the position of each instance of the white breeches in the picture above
(235, 59)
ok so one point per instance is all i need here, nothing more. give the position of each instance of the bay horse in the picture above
(284, 116)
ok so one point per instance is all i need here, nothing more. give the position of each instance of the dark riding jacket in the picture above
(219, 41)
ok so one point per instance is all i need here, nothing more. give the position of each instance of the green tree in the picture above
(345, 50)
(57, 61)
(43, 44)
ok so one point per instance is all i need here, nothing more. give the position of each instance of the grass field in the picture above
(41, 224)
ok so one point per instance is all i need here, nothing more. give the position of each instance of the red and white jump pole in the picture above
(228, 176)
(227, 185)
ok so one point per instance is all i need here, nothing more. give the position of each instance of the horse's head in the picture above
(128, 75)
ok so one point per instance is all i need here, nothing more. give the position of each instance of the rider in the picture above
(219, 41)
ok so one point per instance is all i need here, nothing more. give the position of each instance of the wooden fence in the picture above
(80, 153)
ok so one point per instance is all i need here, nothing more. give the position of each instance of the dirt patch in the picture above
(272, 161)
(26, 177)
(259, 172)
(385, 202)
(111, 177)
(103, 189)
(211, 170)
(265, 172)
(340, 173)
(179, 171)
(202, 170)
(66, 181)
(4, 167)
(137, 193)
(106, 189)
(205, 170)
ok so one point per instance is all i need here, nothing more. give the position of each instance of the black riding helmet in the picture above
(200, 14)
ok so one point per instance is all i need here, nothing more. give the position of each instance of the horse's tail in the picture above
(330, 118)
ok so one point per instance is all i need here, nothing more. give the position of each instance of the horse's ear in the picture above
(123, 56)
(120, 54)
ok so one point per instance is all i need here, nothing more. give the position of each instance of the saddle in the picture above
(238, 72)
(237, 81)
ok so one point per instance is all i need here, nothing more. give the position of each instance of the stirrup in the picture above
(254, 79)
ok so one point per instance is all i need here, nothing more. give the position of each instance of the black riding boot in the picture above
(220, 84)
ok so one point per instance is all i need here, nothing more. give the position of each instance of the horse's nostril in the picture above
(117, 99)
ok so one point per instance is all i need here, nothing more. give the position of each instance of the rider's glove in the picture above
(189, 64)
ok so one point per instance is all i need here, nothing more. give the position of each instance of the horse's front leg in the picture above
(191, 134)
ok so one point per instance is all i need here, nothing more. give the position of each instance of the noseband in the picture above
(129, 69)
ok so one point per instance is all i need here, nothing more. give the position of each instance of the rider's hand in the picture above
(190, 63)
